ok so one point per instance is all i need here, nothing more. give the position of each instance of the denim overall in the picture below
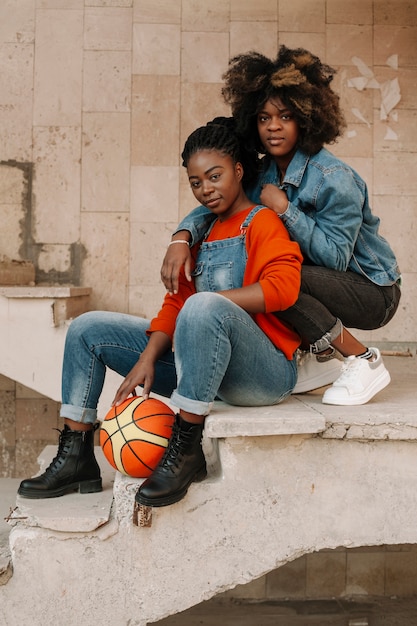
(235, 360)
(221, 264)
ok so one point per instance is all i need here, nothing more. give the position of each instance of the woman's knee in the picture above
(203, 314)
(202, 304)
(82, 326)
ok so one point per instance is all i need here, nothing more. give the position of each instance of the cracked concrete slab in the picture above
(74, 512)
(390, 415)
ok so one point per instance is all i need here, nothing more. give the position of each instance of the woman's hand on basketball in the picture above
(177, 255)
(143, 374)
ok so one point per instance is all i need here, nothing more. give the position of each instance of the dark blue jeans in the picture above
(329, 298)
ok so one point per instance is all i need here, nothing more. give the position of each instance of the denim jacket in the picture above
(328, 214)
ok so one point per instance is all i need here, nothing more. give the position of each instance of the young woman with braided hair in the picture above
(217, 337)
(286, 111)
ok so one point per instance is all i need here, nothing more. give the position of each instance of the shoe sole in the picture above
(87, 486)
(378, 385)
(173, 497)
(321, 380)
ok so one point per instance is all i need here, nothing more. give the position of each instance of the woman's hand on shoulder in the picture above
(274, 198)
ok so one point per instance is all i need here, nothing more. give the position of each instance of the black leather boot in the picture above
(183, 463)
(73, 469)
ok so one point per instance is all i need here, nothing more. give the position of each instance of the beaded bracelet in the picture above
(179, 241)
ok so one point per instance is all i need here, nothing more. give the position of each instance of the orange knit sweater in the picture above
(273, 260)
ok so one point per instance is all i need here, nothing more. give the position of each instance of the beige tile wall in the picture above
(100, 95)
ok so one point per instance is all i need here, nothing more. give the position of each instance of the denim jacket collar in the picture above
(293, 175)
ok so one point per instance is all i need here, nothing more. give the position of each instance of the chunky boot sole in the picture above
(171, 498)
(84, 486)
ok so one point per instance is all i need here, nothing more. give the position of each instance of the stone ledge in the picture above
(68, 301)
(390, 416)
(292, 417)
(45, 291)
(371, 432)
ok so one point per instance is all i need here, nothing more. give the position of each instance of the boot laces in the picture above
(175, 449)
(63, 449)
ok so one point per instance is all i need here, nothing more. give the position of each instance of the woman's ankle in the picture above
(191, 418)
(73, 425)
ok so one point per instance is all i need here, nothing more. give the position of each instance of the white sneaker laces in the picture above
(350, 369)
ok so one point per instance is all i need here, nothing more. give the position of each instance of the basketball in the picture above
(135, 434)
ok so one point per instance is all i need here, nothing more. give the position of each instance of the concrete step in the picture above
(74, 512)
(274, 496)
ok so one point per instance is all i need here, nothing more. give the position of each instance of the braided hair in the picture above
(220, 134)
(300, 80)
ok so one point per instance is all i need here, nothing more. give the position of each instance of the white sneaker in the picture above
(316, 371)
(359, 381)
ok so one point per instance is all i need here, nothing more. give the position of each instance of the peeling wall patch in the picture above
(390, 91)
(360, 117)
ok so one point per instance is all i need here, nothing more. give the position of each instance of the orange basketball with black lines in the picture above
(135, 434)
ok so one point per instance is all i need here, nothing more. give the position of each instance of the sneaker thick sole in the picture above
(339, 395)
(85, 486)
